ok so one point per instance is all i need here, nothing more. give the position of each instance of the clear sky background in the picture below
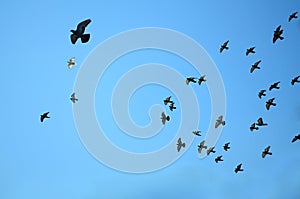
(48, 160)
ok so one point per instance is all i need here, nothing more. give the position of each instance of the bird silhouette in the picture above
(261, 93)
(71, 62)
(277, 34)
(167, 100)
(226, 146)
(197, 133)
(297, 137)
(180, 144)
(224, 46)
(250, 50)
(266, 152)
(219, 121)
(201, 146)
(253, 127)
(238, 168)
(274, 86)
(79, 32)
(270, 103)
(201, 79)
(255, 66)
(295, 79)
(218, 159)
(190, 79)
(260, 122)
(164, 118)
(172, 107)
(43, 116)
(211, 150)
(293, 16)
(73, 98)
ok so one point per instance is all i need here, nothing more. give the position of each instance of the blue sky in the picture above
(48, 160)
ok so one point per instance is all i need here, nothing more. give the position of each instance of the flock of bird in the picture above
(80, 33)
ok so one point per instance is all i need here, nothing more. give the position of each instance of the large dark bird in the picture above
(79, 32)
(219, 158)
(297, 137)
(255, 66)
(190, 79)
(201, 146)
(197, 133)
(201, 79)
(167, 100)
(293, 16)
(238, 168)
(164, 118)
(260, 122)
(274, 86)
(44, 115)
(253, 127)
(250, 50)
(180, 144)
(277, 34)
(294, 80)
(261, 93)
(266, 152)
(211, 150)
(73, 98)
(270, 103)
(219, 121)
(226, 146)
(224, 46)
(172, 107)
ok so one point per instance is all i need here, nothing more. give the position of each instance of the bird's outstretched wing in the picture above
(84, 23)
(85, 38)
(73, 38)
(163, 118)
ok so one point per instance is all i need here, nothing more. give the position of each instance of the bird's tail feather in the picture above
(85, 38)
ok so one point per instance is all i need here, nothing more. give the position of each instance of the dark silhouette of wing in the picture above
(85, 38)
(73, 38)
(83, 24)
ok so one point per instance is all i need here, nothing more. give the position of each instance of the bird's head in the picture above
(73, 31)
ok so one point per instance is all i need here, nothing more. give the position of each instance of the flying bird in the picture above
(238, 168)
(201, 79)
(266, 152)
(260, 122)
(297, 137)
(277, 34)
(294, 80)
(180, 144)
(172, 107)
(261, 93)
(270, 103)
(73, 98)
(293, 16)
(219, 121)
(250, 50)
(164, 118)
(190, 79)
(167, 100)
(224, 46)
(211, 150)
(255, 66)
(226, 146)
(274, 86)
(44, 115)
(71, 62)
(201, 146)
(197, 133)
(79, 32)
(253, 127)
(219, 158)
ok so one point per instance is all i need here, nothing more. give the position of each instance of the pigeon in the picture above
(226, 146)
(79, 32)
(260, 122)
(297, 137)
(180, 144)
(201, 146)
(164, 118)
(293, 16)
(294, 80)
(261, 93)
(277, 34)
(274, 86)
(266, 152)
(201, 79)
(255, 66)
(197, 133)
(44, 115)
(73, 98)
(219, 121)
(250, 50)
(270, 103)
(238, 168)
(190, 79)
(71, 62)
(219, 158)
(172, 107)
(224, 46)
(167, 100)
(211, 150)
(253, 127)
